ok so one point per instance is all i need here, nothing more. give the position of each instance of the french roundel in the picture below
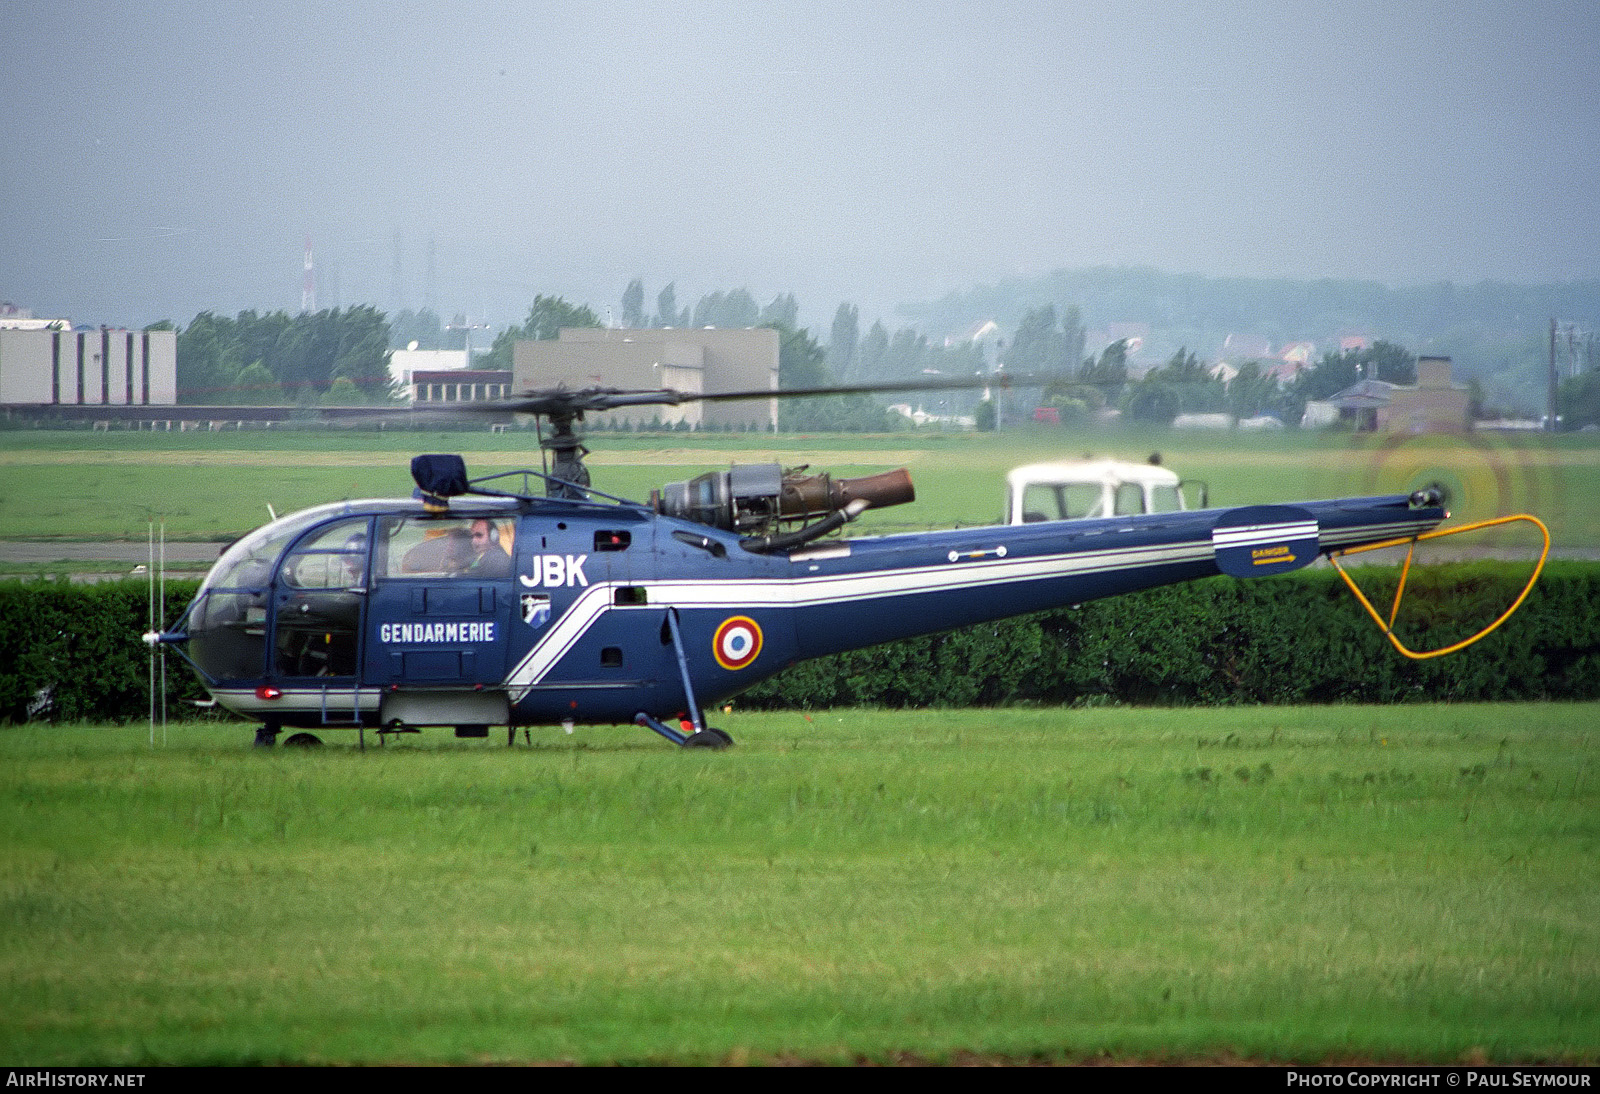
(737, 642)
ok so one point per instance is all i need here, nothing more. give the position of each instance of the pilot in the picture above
(457, 552)
(488, 558)
(355, 559)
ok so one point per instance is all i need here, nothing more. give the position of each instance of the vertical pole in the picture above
(161, 615)
(1552, 378)
(150, 580)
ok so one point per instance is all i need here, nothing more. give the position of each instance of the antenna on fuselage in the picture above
(157, 575)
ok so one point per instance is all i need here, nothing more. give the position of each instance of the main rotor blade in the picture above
(1003, 380)
(560, 401)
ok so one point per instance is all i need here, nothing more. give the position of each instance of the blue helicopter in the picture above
(471, 605)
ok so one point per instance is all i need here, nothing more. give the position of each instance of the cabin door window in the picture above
(441, 602)
(321, 593)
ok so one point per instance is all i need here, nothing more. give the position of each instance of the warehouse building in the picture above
(706, 361)
(88, 368)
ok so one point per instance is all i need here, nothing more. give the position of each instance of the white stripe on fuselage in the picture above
(801, 592)
(1250, 535)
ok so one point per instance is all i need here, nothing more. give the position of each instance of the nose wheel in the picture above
(267, 737)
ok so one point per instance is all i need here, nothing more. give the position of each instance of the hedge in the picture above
(1298, 639)
(72, 652)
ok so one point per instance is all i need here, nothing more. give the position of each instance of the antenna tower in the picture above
(397, 288)
(431, 285)
(308, 293)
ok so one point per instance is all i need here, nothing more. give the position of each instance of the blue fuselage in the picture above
(358, 613)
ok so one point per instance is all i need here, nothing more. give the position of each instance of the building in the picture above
(15, 318)
(985, 334)
(1434, 404)
(459, 385)
(706, 361)
(443, 376)
(71, 368)
(404, 362)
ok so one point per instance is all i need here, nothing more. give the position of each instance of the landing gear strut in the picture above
(703, 735)
(708, 737)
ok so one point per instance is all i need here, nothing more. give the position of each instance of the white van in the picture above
(1082, 489)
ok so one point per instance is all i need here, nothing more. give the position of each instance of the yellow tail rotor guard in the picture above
(1411, 544)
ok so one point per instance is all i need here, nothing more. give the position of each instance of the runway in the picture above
(132, 553)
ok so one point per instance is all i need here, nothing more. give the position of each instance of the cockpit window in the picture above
(432, 547)
(333, 558)
(247, 564)
(227, 624)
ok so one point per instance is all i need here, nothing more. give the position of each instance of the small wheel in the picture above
(726, 740)
(303, 740)
(707, 739)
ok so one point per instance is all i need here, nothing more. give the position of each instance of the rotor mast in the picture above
(563, 408)
(569, 478)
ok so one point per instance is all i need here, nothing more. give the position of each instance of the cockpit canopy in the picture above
(320, 563)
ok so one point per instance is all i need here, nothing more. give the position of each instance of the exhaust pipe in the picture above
(819, 495)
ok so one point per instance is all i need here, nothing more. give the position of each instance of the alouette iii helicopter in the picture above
(471, 605)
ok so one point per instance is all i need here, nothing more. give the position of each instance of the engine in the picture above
(755, 499)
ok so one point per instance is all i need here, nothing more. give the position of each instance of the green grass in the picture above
(78, 485)
(1401, 883)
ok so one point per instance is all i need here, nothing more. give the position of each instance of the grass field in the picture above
(1405, 883)
(79, 485)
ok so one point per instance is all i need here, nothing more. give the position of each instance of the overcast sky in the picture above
(163, 158)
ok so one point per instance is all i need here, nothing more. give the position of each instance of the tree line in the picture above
(1495, 333)
(340, 357)
(1184, 384)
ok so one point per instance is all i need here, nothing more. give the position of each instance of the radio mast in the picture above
(308, 292)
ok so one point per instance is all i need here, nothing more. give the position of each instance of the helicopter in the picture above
(474, 604)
